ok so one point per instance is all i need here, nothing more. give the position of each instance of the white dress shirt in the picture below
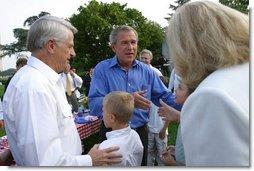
(130, 145)
(215, 120)
(157, 71)
(38, 120)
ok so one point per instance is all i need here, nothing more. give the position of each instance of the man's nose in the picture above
(130, 45)
(73, 54)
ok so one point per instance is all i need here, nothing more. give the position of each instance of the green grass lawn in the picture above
(172, 132)
(2, 132)
(1, 91)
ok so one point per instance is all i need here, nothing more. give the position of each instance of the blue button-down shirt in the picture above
(109, 76)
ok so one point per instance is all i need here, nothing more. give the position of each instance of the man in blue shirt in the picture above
(124, 73)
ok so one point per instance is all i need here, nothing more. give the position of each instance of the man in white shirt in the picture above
(118, 107)
(38, 120)
(74, 81)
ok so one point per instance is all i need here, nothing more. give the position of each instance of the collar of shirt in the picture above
(114, 62)
(118, 133)
(48, 72)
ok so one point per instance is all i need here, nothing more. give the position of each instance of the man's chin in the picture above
(130, 57)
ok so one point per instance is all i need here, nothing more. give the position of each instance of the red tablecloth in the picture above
(6, 158)
(85, 130)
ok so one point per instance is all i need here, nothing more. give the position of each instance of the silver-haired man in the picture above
(39, 122)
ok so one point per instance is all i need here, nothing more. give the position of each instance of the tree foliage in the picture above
(96, 20)
(240, 5)
(21, 35)
(30, 20)
(173, 6)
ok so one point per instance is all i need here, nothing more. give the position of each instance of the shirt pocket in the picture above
(64, 115)
(146, 87)
(66, 121)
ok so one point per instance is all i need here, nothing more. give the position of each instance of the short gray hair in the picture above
(147, 52)
(45, 28)
(114, 33)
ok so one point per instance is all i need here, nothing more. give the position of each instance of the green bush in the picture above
(172, 132)
(2, 132)
(1, 91)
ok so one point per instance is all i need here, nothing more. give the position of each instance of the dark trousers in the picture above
(73, 100)
(142, 132)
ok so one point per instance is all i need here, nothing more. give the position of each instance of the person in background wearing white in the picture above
(146, 56)
(75, 82)
(209, 47)
(118, 107)
(157, 136)
(78, 81)
(38, 120)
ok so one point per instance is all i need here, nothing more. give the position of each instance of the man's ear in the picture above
(113, 48)
(50, 46)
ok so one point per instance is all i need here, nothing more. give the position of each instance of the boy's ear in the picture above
(112, 117)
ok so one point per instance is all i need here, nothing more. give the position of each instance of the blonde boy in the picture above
(118, 107)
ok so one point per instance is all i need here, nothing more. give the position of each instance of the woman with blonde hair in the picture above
(209, 45)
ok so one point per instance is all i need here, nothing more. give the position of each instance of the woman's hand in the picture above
(168, 113)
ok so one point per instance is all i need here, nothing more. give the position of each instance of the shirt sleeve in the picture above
(1, 116)
(157, 71)
(214, 130)
(160, 91)
(98, 89)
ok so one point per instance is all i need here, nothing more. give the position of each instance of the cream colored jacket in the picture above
(215, 120)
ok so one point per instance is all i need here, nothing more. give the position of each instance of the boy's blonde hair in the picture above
(205, 36)
(120, 104)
